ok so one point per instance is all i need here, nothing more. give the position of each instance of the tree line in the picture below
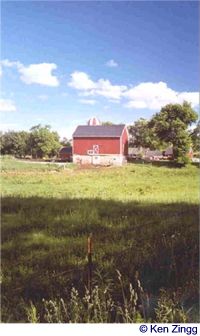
(39, 142)
(169, 127)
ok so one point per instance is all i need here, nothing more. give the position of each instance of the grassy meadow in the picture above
(144, 222)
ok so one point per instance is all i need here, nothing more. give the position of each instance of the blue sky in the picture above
(63, 62)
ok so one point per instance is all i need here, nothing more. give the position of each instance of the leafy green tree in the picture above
(8, 143)
(15, 143)
(195, 137)
(107, 123)
(110, 123)
(43, 141)
(65, 142)
(142, 135)
(171, 125)
(21, 143)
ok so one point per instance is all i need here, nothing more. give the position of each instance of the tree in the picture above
(107, 123)
(195, 137)
(65, 142)
(43, 141)
(14, 143)
(110, 123)
(21, 143)
(8, 143)
(142, 135)
(171, 124)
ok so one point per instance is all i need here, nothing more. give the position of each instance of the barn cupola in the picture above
(94, 122)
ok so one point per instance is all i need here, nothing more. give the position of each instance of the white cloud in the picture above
(153, 96)
(6, 105)
(147, 95)
(139, 104)
(112, 64)
(192, 97)
(106, 89)
(88, 101)
(81, 81)
(10, 64)
(103, 87)
(40, 73)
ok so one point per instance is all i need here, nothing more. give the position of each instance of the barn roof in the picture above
(99, 131)
(66, 150)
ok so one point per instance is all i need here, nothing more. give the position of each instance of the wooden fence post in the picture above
(89, 255)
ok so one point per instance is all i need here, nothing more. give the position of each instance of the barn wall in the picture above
(124, 140)
(103, 160)
(106, 145)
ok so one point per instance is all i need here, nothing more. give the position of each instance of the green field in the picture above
(143, 219)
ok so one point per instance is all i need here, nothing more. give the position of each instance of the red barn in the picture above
(100, 144)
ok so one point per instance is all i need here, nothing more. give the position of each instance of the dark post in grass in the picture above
(89, 254)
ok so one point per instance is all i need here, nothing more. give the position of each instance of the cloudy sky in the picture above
(63, 62)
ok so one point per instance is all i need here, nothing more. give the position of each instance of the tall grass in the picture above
(102, 307)
(143, 218)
